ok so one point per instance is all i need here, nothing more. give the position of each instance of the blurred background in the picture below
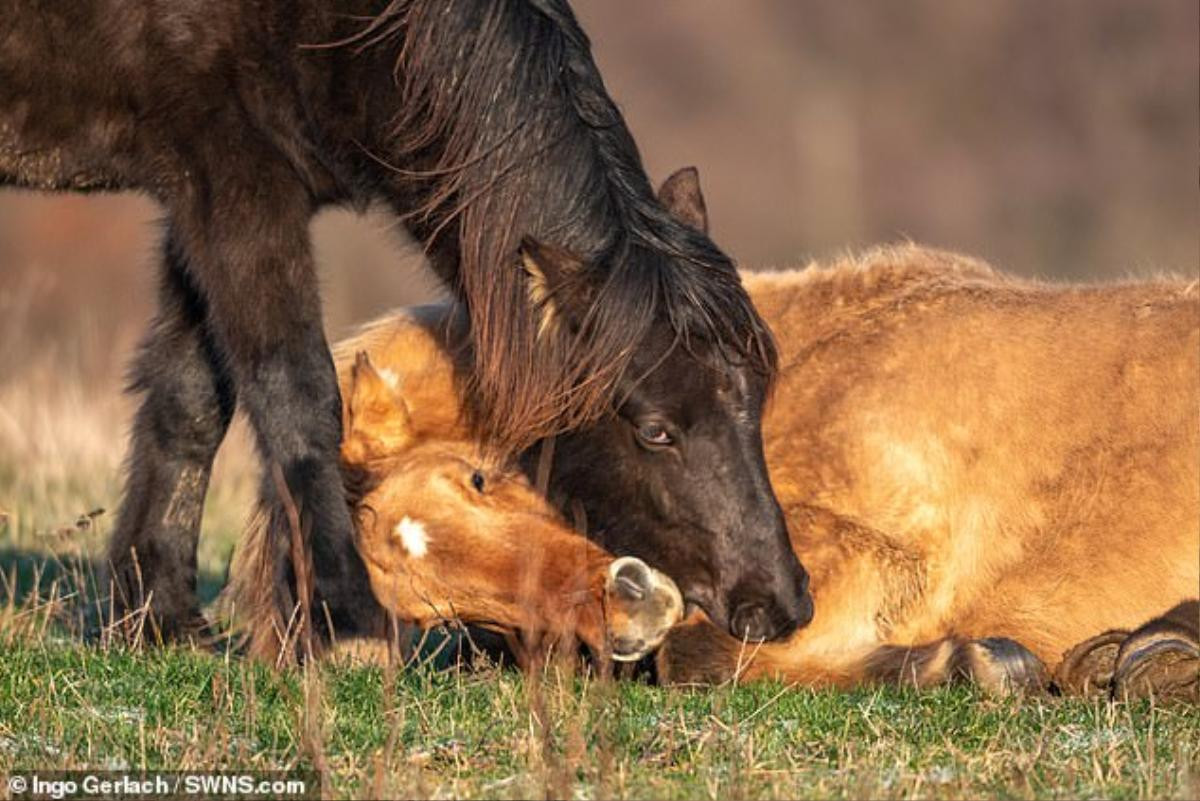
(1056, 139)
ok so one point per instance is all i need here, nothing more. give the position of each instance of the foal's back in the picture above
(1033, 447)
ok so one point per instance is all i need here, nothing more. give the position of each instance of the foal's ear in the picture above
(680, 194)
(557, 284)
(378, 422)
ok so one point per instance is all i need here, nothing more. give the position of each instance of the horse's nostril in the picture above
(752, 621)
(805, 614)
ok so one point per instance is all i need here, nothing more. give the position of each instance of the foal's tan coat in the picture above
(964, 453)
(961, 453)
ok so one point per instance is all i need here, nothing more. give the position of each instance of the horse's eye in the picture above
(477, 481)
(654, 434)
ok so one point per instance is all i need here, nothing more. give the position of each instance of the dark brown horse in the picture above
(482, 124)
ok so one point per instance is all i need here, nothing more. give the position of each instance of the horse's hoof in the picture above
(147, 626)
(1087, 669)
(642, 605)
(1164, 664)
(1003, 666)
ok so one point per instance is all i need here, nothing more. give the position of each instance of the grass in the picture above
(69, 702)
(455, 733)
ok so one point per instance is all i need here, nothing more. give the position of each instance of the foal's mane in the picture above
(504, 129)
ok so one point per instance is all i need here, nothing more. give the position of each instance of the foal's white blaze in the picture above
(389, 376)
(412, 536)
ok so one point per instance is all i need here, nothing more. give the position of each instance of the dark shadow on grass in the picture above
(26, 575)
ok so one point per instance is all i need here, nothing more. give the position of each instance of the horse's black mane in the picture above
(505, 116)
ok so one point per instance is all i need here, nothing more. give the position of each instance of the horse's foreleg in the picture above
(248, 247)
(860, 578)
(187, 404)
(699, 653)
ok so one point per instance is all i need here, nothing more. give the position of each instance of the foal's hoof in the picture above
(642, 605)
(1160, 663)
(1087, 669)
(1003, 666)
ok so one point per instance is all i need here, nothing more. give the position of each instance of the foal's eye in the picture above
(654, 434)
(477, 481)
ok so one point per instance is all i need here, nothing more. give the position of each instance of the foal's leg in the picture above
(700, 653)
(1160, 658)
(997, 664)
(187, 404)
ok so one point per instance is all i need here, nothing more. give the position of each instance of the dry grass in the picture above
(63, 426)
(369, 732)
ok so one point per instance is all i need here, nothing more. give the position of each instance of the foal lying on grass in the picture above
(962, 456)
(448, 532)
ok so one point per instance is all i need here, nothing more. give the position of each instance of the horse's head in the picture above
(448, 532)
(677, 475)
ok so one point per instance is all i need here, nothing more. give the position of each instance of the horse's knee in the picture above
(295, 406)
(187, 406)
(189, 392)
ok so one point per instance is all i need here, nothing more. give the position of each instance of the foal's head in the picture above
(676, 473)
(448, 532)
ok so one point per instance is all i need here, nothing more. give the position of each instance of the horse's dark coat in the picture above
(478, 123)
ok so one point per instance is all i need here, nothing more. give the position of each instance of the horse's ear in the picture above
(557, 284)
(378, 422)
(680, 194)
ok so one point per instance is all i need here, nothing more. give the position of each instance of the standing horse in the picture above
(986, 476)
(482, 124)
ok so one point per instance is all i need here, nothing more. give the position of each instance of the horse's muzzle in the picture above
(762, 616)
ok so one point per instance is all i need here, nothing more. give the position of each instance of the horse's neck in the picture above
(499, 124)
